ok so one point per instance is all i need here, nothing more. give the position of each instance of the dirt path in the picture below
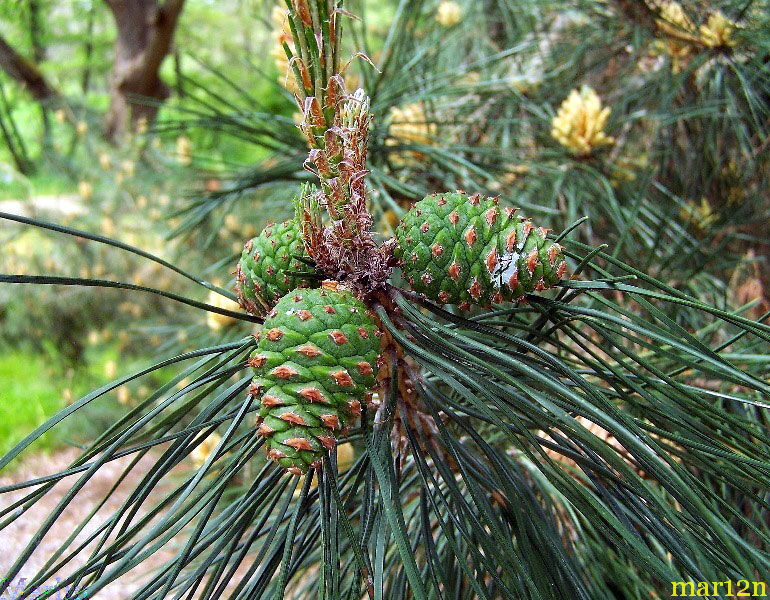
(14, 538)
(68, 205)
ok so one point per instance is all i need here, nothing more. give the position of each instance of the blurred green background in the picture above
(464, 95)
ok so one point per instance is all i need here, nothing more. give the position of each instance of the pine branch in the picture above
(26, 73)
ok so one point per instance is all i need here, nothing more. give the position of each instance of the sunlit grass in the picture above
(28, 396)
(35, 386)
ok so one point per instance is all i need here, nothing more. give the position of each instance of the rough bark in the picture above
(25, 72)
(145, 32)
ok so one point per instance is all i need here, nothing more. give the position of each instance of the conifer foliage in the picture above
(531, 415)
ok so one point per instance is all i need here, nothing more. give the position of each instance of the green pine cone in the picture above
(459, 249)
(314, 365)
(262, 273)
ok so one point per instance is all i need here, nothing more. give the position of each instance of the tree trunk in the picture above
(13, 141)
(88, 51)
(25, 72)
(38, 52)
(145, 31)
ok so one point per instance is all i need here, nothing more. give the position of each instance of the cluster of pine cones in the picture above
(318, 353)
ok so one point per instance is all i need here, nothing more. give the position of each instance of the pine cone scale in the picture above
(313, 366)
(263, 273)
(459, 249)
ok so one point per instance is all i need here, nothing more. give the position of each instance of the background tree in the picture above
(145, 34)
(26, 72)
(595, 441)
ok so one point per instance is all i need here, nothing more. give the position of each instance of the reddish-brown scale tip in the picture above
(257, 361)
(532, 260)
(475, 289)
(553, 254)
(299, 443)
(338, 337)
(364, 368)
(330, 421)
(342, 379)
(354, 406)
(328, 441)
(293, 418)
(470, 236)
(265, 430)
(270, 401)
(491, 261)
(309, 351)
(284, 372)
(510, 240)
(274, 334)
(454, 271)
(313, 395)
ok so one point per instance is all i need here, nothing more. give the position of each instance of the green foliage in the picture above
(505, 408)
(597, 441)
(28, 399)
(38, 384)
